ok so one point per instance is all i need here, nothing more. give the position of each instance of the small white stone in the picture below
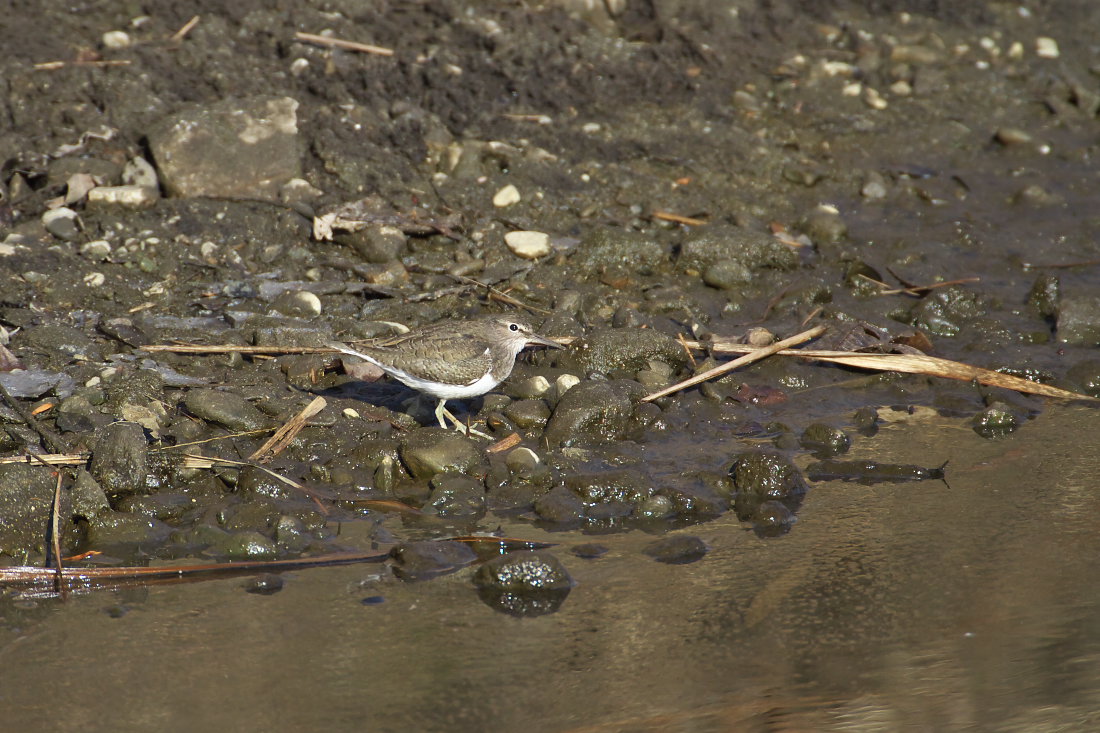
(528, 245)
(521, 458)
(1046, 47)
(208, 249)
(590, 128)
(852, 89)
(564, 383)
(506, 196)
(99, 249)
(116, 40)
(351, 413)
(298, 66)
(1015, 51)
(132, 197)
(140, 172)
(309, 301)
(873, 99)
(93, 382)
(95, 279)
(901, 88)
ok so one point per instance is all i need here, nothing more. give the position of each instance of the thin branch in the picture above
(282, 437)
(178, 35)
(340, 43)
(754, 355)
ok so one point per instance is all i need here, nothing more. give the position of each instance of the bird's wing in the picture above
(465, 367)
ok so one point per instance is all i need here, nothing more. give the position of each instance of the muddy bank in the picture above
(678, 169)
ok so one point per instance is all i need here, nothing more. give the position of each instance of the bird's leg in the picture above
(441, 411)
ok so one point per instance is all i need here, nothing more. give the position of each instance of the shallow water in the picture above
(894, 606)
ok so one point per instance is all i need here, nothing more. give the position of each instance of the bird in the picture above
(452, 359)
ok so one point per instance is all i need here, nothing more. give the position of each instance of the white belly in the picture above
(445, 391)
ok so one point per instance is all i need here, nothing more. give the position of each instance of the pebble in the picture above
(140, 172)
(61, 222)
(133, 197)
(1046, 48)
(506, 197)
(99, 249)
(116, 40)
(528, 245)
(1012, 136)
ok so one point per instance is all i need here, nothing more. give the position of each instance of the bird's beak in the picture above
(533, 338)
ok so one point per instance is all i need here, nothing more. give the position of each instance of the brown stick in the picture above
(282, 437)
(340, 43)
(178, 35)
(755, 355)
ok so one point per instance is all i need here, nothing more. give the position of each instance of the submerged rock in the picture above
(825, 440)
(523, 583)
(761, 477)
(677, 550)
(427, 559)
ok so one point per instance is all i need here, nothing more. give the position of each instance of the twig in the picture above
(282, 437)
(755, 355)
(233, 349)
(505, 443)
(178, 35)
(340, 43)
(52, 65)
(678, 219)
(916, 290)
(211, 462)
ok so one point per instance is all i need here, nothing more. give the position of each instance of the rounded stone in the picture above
(677, 550)
(226, 409)
(528, 245)
(431, 451)
(524, 571)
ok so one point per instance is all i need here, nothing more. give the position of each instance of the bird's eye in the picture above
(513, 326)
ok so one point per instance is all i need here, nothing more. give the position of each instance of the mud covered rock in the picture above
(26, 495)
(122, 533)
(425, 559)
(1078, 322)
(430, 451)
(608, 494)
(946, 311)
(604, 248)
(625, 348)
(456, 496)
(593, 412)
(825, 440)
(120, 459)
(226, 409)
(754, 250)
(761, 477)
(233, 147)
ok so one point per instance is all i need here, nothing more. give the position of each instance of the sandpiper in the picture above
(452, 360)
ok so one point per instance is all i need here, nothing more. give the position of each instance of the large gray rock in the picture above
(235, 147)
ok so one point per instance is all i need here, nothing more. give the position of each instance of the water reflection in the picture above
(886, 606)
